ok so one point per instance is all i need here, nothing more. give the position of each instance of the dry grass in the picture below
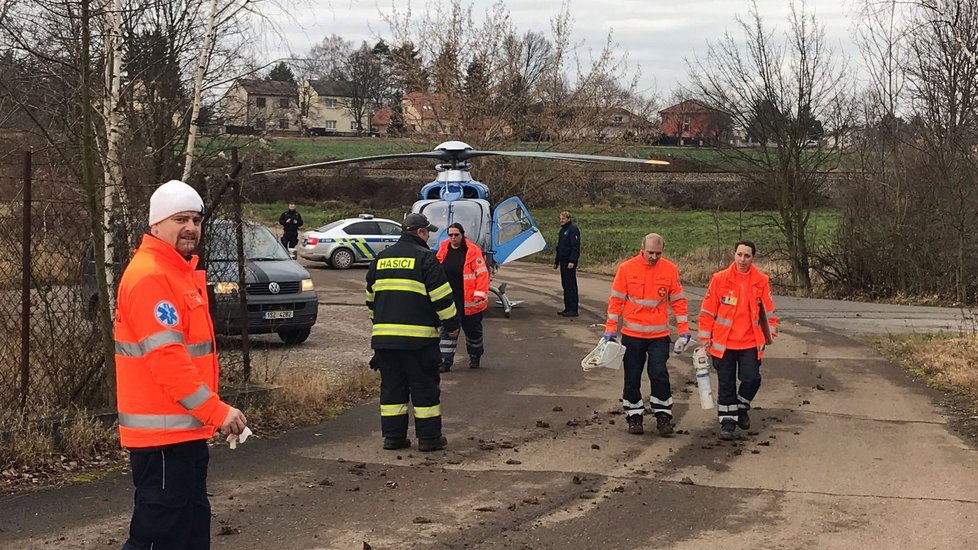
(306, 396)
(947, 363)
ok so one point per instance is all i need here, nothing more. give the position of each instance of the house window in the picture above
(260, 102)
(330, 125)
(259, 124)
(354, 125)
(330, 103)
(685, 125)
(283, 102)
(283, 124)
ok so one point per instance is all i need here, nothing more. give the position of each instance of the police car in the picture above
(344, 243)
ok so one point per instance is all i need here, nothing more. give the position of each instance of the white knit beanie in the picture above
(171, 198)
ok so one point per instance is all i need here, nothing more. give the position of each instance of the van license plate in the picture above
(282, 314)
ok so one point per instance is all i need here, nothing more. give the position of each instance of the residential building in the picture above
(262, 106)
(692, 122)
(325, 106)
(426, 113)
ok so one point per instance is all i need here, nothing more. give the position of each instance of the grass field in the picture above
(611, 235)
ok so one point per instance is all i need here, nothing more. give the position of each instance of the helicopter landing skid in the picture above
(504, 300)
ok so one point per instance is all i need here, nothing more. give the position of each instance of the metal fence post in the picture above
(242, 280)
(25, 290)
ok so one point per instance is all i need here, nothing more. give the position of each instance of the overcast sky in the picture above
(658, 34)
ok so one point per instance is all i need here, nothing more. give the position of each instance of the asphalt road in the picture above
(846, 451)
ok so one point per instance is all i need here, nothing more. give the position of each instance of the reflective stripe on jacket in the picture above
(716, 316)
(165, 352)
(475, 276)
(640, 297)
(408, 297)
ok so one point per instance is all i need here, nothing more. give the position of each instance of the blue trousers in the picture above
(735, 364)
(171, 507)
(640, 352)
(568, 281)
(472, 327)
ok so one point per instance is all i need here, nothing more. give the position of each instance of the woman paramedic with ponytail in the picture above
(468, 276)
(736, 321)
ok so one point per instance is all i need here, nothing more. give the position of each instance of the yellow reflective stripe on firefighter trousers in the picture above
(398, 409)
(427, 412)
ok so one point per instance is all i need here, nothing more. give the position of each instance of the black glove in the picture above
(374, 365)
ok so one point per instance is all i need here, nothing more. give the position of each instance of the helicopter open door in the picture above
(514, 233)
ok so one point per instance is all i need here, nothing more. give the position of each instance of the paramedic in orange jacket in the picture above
(468, 276)
(730, 323)
(167, 373)
(644, 289)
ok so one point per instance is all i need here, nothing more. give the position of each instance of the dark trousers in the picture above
(171, 507)
(289, 240)
(472, 327)
(735, 364)
(568, 281)
(654, 352)
(410, 376)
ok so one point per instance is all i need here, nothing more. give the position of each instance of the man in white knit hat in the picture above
(166, 374)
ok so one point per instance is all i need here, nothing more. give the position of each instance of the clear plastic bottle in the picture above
(701, 362)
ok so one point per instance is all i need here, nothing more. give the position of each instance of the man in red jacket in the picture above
(167, 373)
(645, 288)
(468, 275)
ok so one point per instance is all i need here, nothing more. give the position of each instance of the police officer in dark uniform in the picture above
(568, 254)
(409, 298)
(291, 221)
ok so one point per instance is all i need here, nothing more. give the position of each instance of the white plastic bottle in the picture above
(701, 362)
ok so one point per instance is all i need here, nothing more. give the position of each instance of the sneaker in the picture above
(428, 445)
(393, 443)
(474, 362)
(727, 428)
(444, 367)
(635, 424)
(663, 423)
(743, 420)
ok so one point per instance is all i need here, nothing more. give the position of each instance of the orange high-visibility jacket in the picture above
(165, 352)
(717, 317)
(639, 296)
(475, 276)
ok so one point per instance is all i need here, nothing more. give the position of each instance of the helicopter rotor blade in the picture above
(560, 156)
(436, 155)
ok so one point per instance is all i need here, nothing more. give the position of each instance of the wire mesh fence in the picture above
(52, 353)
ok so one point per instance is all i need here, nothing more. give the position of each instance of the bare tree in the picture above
(366, 77)
(779, 87)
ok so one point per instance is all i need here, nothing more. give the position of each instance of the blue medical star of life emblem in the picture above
(166, 314)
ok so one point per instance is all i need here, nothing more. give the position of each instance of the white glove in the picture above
(681, 344)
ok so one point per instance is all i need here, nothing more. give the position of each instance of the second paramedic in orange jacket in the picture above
(468, 275)
(736, 321)
(644, 289)
(167, 373)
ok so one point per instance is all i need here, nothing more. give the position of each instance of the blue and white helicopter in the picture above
(505, 232)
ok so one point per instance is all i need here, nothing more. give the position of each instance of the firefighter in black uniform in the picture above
(409, 297)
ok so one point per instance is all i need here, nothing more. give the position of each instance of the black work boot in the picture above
(428, 445)
(444, 367)
(635, 424)
(727, 428)
(663, 423)
(394, 443)
(743, 420)
(474, 362)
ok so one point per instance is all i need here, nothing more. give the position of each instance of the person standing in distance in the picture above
(644, 289)
(290, 221)
(468, 275)
(568, 254)
(736, 322)
(409, 297)
(167, 375)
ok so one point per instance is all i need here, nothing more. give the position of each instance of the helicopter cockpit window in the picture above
(362, 228)
(512, 222)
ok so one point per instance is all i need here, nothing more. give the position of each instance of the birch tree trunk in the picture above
(205, 53)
